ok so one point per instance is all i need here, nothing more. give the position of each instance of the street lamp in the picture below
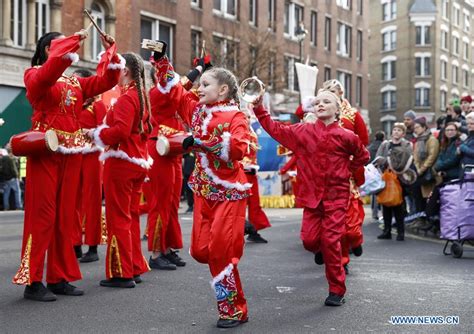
(300, 34)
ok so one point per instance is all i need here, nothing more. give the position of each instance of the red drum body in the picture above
(172, 145)
(34, 143)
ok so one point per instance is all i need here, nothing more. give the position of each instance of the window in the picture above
(226, 52)
(98, 14)
(389, 99)
(196, 3)
(423, 35)
(346, 80)
(272, 15)
(327, 73)
(293, 17)
(291, 80)
(444, 9)
(18, 22)
(156, 29)
(456, 16)
(253, 5)
(465, 50)
(344, 40)
(389, 40)
(442, 99)
(271, 70)
(227, 8)
(422, 66)
(422, 97)
(360, 45)
(314, 28)
(389, 10)
(467, 22)
(465, 78)
(360, 7)
(444, 70)
(346, 4)
(455, 74)
(444, 39)
(388, 70)
(358, 101)
(327, 33)
(195, 44)
(42, 18)
(455, 45)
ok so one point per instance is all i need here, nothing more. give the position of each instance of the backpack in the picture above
(400, 159)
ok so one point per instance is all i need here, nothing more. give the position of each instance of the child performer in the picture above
(326, 155)
(125, 133)
(53, 179)
(220, 137)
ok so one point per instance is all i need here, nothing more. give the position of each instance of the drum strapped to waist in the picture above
(34, 143)
(172, 145)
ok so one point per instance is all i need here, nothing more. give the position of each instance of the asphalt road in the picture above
(284, 288)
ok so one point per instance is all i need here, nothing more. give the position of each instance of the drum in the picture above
(34, 143)
(172, 145)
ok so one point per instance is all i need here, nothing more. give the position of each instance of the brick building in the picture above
(261, 37)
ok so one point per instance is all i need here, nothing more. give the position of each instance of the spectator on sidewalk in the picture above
(466, 104)
(448, 164)
(409, 121)
(373, 148)
(9, 171)
(466, 150)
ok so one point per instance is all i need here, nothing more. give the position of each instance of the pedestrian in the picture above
(53, 178)
(11, 182)
(375, 144)
(126, 161)
(466, 104)
(220, 138)
(466, 150)
(409, 121)
(448, 164)
(324, 189)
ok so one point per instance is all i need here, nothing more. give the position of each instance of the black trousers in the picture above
(399, 212)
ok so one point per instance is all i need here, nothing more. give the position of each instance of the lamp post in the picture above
(300, 34)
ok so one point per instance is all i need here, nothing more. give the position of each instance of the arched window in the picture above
(98, 14)
(42, 18)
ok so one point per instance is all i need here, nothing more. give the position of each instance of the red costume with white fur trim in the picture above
(53, 178)
(124, 171)
(220, 187)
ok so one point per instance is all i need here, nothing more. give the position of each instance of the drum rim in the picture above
(166, 143)
(51, 140)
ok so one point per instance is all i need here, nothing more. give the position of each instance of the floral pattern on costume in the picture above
(225, 289)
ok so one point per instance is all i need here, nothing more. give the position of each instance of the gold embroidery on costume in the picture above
(23, 275)
(103, 230)
(157, 234)
(115, 266)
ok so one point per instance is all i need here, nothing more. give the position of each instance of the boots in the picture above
(386, 234)
(90, 256)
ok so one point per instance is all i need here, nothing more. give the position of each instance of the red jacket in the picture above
(165, 120)
(323, 158)
(57, 98)
(93, 115)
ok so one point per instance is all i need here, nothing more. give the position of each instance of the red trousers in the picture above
(353, 236)
(321, 231)
(122, 184)
(218, 240)
(257, 216)
(146, 198)
(166, 179)
(50, 197)
(89, 201)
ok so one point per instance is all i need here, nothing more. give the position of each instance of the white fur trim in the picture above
(96, 134)
(205, 124)
(169, 84)
(209, 112)
(224, 154)
(251, 166)
(72, 56)
(119, 154)
(308, 104)
(226, 272)
(117, 66)
(226, 184)
(79, 150)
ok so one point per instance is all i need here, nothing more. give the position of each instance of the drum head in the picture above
(162, 145)
(51, 140)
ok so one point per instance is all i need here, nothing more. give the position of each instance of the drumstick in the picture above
(203, 52)
(94, 23)
(89, 26)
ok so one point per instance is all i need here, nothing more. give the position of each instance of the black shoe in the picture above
(37, 291)
(189, 210)
(346, 269)
(229, 323)
(161, 263)
(257, 238)
(249, 228)
(318, 258)
(400, 237)
(137, 279)
(64, 288)
(117, 282)
(175, 259)
(385, 235)
(334, 300)
(78, 251)
(89, 257)
(145, 237)
(357, 251)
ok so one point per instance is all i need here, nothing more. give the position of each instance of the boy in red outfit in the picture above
(327, 154)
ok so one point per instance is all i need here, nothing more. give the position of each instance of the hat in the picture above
(454, 102)
(421, 121)
(467, 99)
(409, 114)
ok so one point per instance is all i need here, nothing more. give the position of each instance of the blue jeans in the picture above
(8, 186)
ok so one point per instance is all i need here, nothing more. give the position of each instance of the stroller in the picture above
(457, 213)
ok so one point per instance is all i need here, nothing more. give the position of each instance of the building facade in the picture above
(250, 37)
(421, 57)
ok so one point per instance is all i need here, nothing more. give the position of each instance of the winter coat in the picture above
(449, 161)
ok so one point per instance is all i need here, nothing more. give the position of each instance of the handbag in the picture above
(392, 194)
(373, 181)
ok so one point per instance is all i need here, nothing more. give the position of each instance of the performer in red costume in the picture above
(89, 198)
(324, 186)
(126, 161)
(53, 178)
(352, 120)
(220, 137)
(258, 220)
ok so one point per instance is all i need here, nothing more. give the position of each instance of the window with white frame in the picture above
(18, 22)
(314, 28)
(226, 52)
(196, 3)
(42, 21)
(465, 78)
(227, 8)
(98, 13)
(465, 50)
(360, 7)
(327, 73)
(444, 70)
(467, 21)
(346, 80)
(444, 39)
(358, 97)
(389, 99)
(253, 5)
(456, 15)
(444, 9)
(456, 45)
(442, 99)
(423, 35)
(422, 97)
(151, 28)
(196, 41)
(455, 73)
(327, 33)
(422, 66)
(272, 15)
(291, 79)
(346, 4)
(389, 10)
(360, 45)
(293, 17)
(389, 40)
(389, 70)
(344, 39)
